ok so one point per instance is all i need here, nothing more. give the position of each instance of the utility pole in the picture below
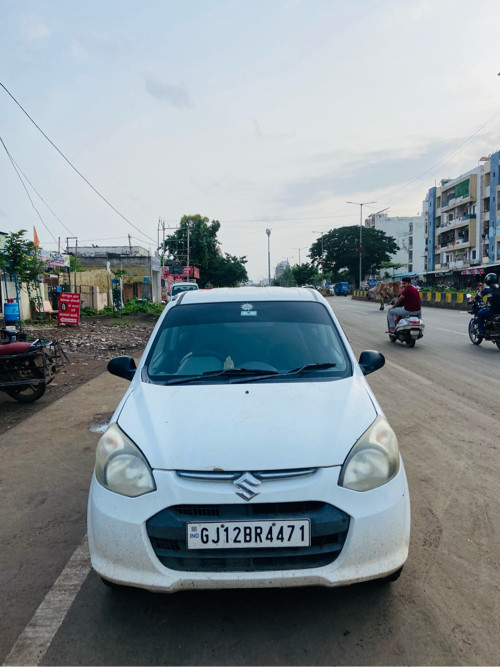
(76, 251)
(299, 249)
(360, 232)
(268, 232)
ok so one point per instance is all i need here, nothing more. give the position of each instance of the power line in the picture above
(73, 167)
(444, 157)
(26, 189)
(38, 194)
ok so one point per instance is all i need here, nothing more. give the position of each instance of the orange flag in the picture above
(36, 242)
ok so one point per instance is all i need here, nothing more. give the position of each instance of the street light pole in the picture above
(299, 249)
(268, 232)
(360, 231)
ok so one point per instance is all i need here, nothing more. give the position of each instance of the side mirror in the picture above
(123, 367)
(370, 361)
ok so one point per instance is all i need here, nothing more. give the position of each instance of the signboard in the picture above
(184, 271)
(69, 308)
(475, 272)
(54, 258)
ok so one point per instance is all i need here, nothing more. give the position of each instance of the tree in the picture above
(390, 265)
(21, 261)
(196, 238)
(287, 278)
(341, 250)
(305, 274)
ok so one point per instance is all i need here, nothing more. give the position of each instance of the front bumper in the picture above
(376, 543)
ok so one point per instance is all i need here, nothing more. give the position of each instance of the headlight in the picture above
(374, 459)
(120, 466)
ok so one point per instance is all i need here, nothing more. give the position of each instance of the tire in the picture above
(497, 343)
(410, 342)
(26, 393)
(474, 336)
(391, 577)
(392, 339)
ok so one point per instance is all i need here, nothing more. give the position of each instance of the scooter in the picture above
(407, 330)
(27, 367)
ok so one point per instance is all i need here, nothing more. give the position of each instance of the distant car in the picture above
(177, 288)
(248, 451)
(310, 286)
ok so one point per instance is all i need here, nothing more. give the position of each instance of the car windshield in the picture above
(232, 342)
(183, 288)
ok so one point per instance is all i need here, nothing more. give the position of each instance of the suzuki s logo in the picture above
(247, 486)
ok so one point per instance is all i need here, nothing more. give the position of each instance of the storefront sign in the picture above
(69, 308)
(473, 272)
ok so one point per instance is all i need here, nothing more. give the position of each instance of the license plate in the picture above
(248, 534)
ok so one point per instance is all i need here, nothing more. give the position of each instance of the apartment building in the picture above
(409, 234)
(462, 222)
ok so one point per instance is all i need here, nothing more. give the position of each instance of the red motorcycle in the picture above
(27, 367)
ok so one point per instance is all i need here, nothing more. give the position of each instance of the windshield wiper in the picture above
(310, 367)
(228, 372)
(294, 371)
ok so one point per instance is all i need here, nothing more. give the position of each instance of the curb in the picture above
(451, 300)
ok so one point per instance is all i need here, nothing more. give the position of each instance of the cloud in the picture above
(177, 96)
(33, 29)
(375, 170)
(266, 136)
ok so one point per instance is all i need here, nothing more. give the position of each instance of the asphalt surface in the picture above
(442, 400)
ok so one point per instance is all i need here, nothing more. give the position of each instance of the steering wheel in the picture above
(203, 353)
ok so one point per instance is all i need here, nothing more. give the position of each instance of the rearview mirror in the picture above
(124, 367)
(371, 360)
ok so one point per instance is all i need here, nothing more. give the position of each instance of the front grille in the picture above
(167, 533)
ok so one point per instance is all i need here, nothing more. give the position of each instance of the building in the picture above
(462, 223)
(409, 234)
(141, 269)
(280, 269)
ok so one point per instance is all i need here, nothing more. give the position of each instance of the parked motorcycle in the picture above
(27, 367)
(407, 330)
(491, 325)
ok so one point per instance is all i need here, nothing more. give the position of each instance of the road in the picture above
(442, 400)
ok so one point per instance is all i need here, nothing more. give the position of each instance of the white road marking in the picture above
(35, 639)
(460, 333)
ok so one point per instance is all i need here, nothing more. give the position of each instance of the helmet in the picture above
(491, 279)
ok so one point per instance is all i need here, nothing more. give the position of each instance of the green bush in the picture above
(88, 312)
(135, 305)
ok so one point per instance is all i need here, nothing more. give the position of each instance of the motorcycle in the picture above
(407, 330)
(491, 325)
(27, 367)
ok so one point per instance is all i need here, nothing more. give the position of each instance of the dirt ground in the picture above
(88, 347)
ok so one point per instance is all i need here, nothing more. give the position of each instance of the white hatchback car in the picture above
(248, 451)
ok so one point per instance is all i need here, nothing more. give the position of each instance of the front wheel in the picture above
(26, 393)
(475, 337)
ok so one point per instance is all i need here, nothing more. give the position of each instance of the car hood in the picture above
(254, 426)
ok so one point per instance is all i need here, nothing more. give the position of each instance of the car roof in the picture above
(250, 294)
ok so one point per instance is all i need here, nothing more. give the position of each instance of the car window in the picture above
(183, 288)
(273, 336)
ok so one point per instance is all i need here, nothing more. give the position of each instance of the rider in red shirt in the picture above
(408, 303)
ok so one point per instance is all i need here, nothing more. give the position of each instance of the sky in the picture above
(261, 114)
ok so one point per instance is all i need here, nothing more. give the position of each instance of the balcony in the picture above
(457, 222)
